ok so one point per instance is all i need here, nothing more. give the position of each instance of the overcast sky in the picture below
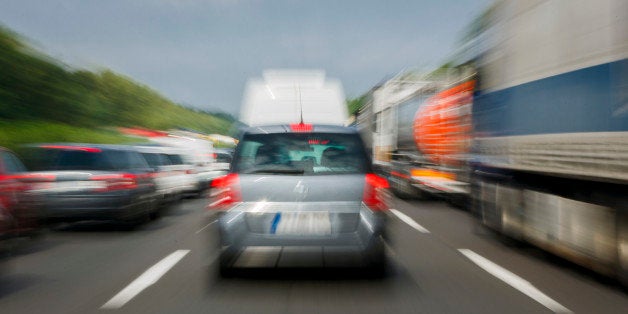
(201, 52)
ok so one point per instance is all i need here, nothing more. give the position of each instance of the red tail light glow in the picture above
(116, 182)
(35, 181)
(70, 147)
(301, 127)
(225, 191)
(36, 177)
(375, 192)
(8, 198)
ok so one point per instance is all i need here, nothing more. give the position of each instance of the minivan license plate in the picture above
(301, 223)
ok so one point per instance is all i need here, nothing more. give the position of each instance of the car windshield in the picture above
(298, 153)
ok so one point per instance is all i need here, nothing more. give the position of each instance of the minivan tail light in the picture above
(376, 192)
(117, 182)
(224, 192)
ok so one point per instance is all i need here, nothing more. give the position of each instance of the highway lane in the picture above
(579, 289)
(81, 268)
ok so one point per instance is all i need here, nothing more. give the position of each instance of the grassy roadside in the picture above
(14, 133)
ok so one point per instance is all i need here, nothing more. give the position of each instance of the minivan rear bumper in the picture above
(238, 234)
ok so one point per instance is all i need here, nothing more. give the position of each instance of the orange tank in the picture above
(442, 127)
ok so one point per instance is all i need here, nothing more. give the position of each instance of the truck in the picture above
(419, 129)
(291, 96)
(549, 161)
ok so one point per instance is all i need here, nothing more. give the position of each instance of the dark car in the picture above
(298, 188)
(76, 182)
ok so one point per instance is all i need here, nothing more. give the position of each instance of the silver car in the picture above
(300, 190)
(172, 180)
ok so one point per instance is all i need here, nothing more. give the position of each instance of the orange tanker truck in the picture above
(421, 135)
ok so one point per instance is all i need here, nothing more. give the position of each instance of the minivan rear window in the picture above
(301, 153)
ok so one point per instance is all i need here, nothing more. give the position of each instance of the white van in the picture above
(292, 96)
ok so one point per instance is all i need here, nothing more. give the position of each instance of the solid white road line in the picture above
(515, 281)
(409, 221)
(148, 278)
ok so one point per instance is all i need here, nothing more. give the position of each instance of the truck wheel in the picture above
(405, 190)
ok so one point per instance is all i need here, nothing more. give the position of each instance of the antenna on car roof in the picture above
(300, 103)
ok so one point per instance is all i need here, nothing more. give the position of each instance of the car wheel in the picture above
(225, 260)
(225, 272)
(133, 222)
(377, 261)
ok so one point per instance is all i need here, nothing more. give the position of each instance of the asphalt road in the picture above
(440, 262)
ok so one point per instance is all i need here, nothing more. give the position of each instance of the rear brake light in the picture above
(301, 127)
(116, 182)
(190, 171)
(69, 147)
(376, 192)
(225, 191)
(36, 177)
(35, 181)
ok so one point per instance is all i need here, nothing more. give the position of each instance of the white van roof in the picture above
(280, 95)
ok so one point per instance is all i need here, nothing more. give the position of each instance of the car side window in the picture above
(153, 160)
(123, 160)
(163, 160)
(224, 158)
(175, 159)
(136, 161)
(12, 164)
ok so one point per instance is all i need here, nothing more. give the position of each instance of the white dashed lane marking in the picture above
(403, 217)
(147, 279)
(514, 281)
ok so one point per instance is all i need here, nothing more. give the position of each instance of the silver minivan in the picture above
(300, 188)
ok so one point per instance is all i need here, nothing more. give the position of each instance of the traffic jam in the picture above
(493, 184)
